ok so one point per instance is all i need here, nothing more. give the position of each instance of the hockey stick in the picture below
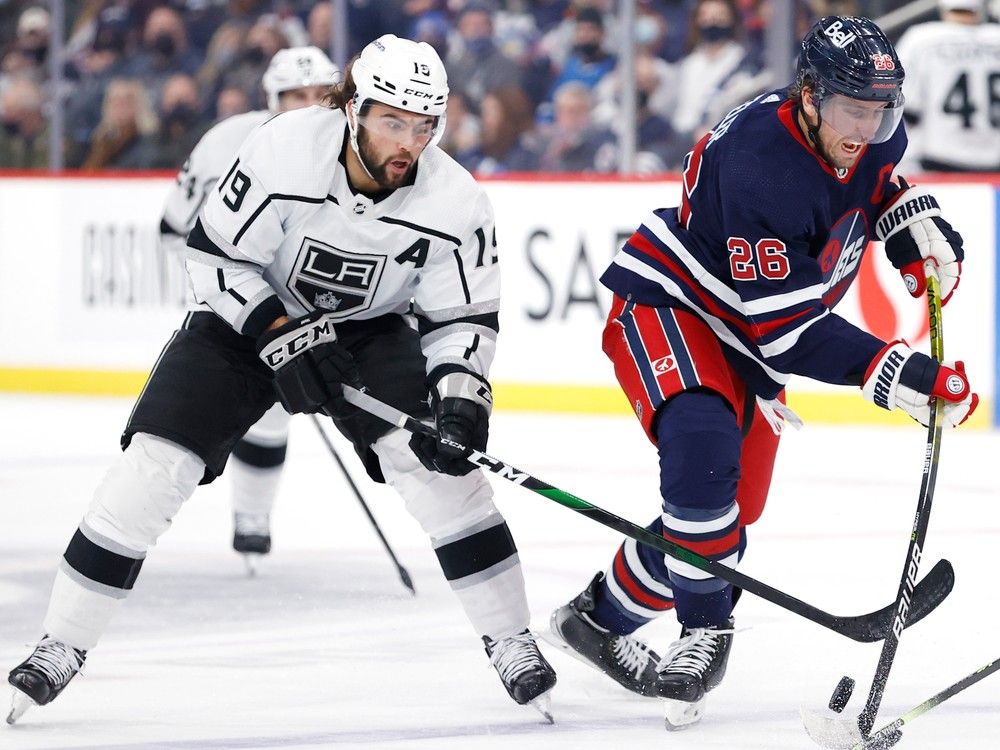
(404, 575)
(844, 734)
(890, 733)
(865, 628)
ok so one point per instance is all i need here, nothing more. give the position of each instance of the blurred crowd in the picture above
(534, 84)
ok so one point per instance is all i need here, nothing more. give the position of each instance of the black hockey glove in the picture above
(309, 365)
(461, 403)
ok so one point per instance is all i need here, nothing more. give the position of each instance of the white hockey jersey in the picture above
(952, 93)
(209, 160)
(283, 233)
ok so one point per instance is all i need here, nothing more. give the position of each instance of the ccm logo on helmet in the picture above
(421, 94)
(837, 35)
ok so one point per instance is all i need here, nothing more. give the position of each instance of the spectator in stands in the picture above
(181, 123)
(557, 42)
(232, 100)
(573, 142)
(432, 28)
(461, 136)
(165, 50)
(588, 61)
(24, 139)
(319, 25)
(717, 60)
(33, 30)
(98, 65)
(656, 85)
(124, 137)
(263, 40)
(477, 65)
(506, 116)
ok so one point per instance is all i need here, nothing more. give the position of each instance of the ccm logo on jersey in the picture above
(837, 35)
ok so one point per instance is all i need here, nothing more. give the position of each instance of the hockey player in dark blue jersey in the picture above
(719, 301)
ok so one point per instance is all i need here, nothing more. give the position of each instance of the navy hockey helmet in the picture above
(845, 59)
(851, 56)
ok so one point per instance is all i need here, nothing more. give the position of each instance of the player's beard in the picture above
(380, 172)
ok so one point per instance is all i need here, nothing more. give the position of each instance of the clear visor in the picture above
(412, 132)
(861, 121)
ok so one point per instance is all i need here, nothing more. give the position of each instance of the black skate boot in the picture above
(523, 670)
(251, 537)
(43, 675)
(624, 658)
(695, 664)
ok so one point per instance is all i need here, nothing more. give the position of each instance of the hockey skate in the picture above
(624, 658)
(695, 664)
(43, 675)
(251, 538)
(523, 670)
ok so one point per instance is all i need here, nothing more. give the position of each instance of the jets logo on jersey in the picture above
(841, 256)
(328, 278)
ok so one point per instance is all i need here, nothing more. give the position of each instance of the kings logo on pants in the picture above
(328, 278)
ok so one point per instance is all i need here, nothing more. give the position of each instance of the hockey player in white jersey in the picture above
(320, 233)
(953, 90)
(296, 77)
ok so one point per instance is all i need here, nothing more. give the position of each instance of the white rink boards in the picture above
(326, 648)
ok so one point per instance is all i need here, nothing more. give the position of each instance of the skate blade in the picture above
(679, 715)
(543, 704)
(19, 703)
(251, 561)
(831, 730)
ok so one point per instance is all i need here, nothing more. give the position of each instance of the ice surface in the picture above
(325, 648)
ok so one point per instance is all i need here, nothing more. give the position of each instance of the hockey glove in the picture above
(916, 237)
(309, 365)
(461, 403)
(900, 378)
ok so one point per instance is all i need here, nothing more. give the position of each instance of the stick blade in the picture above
(831, 730)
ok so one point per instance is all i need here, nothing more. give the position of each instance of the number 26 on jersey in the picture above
(766, 259)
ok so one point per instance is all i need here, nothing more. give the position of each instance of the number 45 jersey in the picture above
(283, 232)
(766, 241)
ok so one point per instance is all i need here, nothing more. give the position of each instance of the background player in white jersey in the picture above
(953, 90)
(308, 253)
(296, 77)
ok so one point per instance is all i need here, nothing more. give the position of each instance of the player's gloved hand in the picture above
(916, 236)
(900, 378)
(309, 365)
(461, 403)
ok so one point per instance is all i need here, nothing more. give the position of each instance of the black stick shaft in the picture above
(864, 628)
(404, 574)
(914, 551)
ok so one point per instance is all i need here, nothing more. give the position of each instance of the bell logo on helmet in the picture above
(836, 34)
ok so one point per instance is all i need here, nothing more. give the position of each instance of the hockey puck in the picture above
(842, 694)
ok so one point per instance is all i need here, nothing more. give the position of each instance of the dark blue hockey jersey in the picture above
(767, 239)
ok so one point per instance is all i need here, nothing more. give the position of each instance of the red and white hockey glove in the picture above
(916, 237)
(900, 378)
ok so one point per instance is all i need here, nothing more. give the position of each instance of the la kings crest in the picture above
(339, 281)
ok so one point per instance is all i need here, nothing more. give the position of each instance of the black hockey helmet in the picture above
(851, 56)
